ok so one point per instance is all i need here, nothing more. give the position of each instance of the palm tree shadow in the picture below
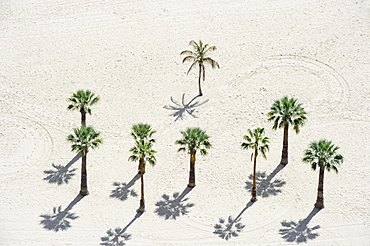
(265, 185)
(171, 208)
(299, 231)
(61, 175)
(123, 190)
(118, 236)
(181, 108)
(231, 227)
(59, 220)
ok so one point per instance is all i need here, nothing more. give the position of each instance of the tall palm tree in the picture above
(194, 139)
(285, 112)
(142, 132)
(259, 144)
(143, 152)
(322, 154)
(82, 100)
(82, 140)
(199, 56)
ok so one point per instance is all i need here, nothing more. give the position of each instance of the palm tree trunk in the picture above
(83, 117)
(142, 201)
(141, 168)
(200, 75)
(83, 190)
(284, 153)
(320, 190)
(192, 170)
(254, 187)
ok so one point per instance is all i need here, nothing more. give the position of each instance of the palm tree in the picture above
(82, 100)
(257, 142)
(143, 152)
(322, 154)
(194, 139)
(285, 112)
(142, 132)
(82, 140)
(198, 56)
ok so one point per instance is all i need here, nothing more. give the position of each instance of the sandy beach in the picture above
(128, 53)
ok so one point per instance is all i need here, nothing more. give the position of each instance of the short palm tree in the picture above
(82, 140)
(82, 100)
(194, 139)
(199, 56)
(285, 112)
(142, 152)
(259, 144)
(142, 132)
(322, 154)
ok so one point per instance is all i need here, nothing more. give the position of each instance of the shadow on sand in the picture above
(61, 174)
(299, 232)
(231, 227)
(60, 220)
(172, 208)
(118, 236)
(265, 186)
(180, 108)
(123, 190)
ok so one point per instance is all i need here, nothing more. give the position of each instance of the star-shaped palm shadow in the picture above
(60, 174)
(171, 208)
(181, 108)
(229, 228)
(299, 232)
(265, 186)
(123, 190)
(60, 219)
(116, 237)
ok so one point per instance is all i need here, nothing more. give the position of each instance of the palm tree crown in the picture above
(256, 141)
(142, 131)
(142, 150)
(194, 139)
(287, 111)
(198, 56)
(82, 100)
(84, 138)
(323, 154)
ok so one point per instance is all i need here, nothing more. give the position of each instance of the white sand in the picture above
(127, 52)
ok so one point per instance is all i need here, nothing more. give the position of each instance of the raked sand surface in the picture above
(127, 52)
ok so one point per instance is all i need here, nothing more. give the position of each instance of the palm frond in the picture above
(203, 152)
(133, 158)
(203, 71)
(188, 52)
(213, 63)
(181, 149)
(191, 66)
(188, 58)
